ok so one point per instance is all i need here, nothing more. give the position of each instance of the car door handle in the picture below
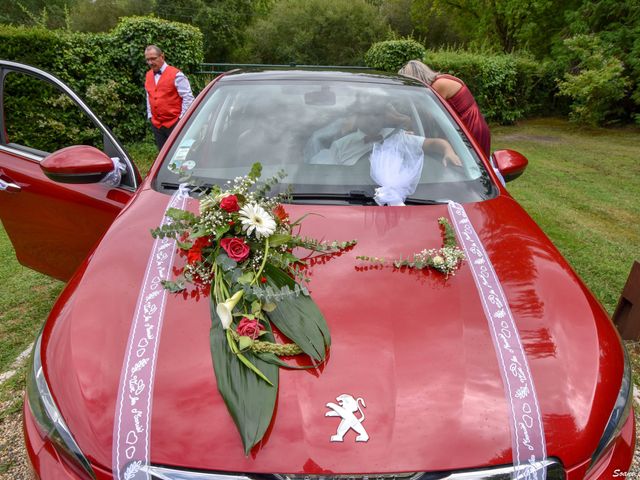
(9, 186)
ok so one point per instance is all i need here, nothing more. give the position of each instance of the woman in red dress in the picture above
(457, 95)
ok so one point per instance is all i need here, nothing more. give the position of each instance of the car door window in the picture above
(39, 117)
(40, 114)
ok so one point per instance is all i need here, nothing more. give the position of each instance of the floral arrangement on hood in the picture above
(241, 249)
(445, 259)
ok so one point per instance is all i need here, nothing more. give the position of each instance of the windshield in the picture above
(331, 138)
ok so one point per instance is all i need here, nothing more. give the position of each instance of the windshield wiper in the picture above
(206, 187)
(359, 197)
(425, 201)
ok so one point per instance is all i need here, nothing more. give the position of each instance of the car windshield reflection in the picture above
(331, 138)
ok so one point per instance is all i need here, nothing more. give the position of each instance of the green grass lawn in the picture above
(582, 186)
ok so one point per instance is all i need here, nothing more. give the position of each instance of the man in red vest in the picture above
(168, 94)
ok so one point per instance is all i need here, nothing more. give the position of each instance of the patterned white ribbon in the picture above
(131, 427)
(527, 432)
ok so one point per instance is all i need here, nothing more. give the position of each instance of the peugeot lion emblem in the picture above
(346, 409)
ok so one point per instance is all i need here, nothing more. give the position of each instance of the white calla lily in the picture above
(225, 309)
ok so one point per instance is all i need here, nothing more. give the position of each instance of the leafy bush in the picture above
(507, 87)
(391, 55)
(616, 25)
(222, 22)
(107, 70)
(181, 43)
(316, 32)
(595, 81)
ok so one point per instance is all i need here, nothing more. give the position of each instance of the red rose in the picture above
(235, 248)
(230, 204)
(249, 328)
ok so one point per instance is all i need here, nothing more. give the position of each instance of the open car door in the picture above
(54, 225)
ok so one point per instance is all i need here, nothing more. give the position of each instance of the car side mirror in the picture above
(510, 163)
(77, 164)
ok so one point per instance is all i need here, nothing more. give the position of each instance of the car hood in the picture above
(413, 345)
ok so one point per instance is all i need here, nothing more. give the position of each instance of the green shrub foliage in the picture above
(595, 81)
(391, 55)
(507, 87)
(315, 32)
(106, 69)
(612, 25)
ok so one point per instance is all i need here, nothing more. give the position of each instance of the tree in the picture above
(316, 32)
(508, 25)
(222, 22)
(595, 81)
(615, 23)
(42, 13)
(103, 15)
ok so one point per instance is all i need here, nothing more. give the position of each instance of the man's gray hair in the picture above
(156, 48)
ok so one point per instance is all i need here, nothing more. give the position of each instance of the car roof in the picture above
(319, 74)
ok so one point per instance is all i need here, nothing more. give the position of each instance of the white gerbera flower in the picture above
(255, 218)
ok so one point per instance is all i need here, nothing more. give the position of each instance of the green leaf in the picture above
(221, 230)
(246, 278)
(184, 245)
(298, 317)
(200, 232)
(252, 367)
(233, 276)
(249, 399)
(244, 342)
(279, 239)
(269, 307)
(275, 360)
(178, 214)
(174, 287)
(225, 262)
(256, 171)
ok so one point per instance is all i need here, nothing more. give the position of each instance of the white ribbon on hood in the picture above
(527, 432)
(131, 429)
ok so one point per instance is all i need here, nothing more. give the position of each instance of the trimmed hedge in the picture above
(106, 69)
(506, 87)
(391, 55)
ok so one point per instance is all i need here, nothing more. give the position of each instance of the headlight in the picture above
(620, 412)
(48, 417)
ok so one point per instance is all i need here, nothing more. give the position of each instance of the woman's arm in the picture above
(444, 147)
(446, 87)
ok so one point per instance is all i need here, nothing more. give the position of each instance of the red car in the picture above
(427, 362)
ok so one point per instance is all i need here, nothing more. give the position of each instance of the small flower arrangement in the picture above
(241, 248)
(445, 259)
